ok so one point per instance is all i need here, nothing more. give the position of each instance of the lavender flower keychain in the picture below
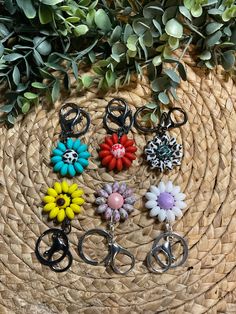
(163, 152)
(115, 202)
(169, 249)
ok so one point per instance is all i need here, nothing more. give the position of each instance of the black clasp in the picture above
(166, 121)
(68, 124)
(58, 248)
(118, 105)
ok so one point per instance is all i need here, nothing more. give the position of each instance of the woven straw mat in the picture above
(207, 281)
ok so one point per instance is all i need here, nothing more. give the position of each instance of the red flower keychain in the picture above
(118, 151)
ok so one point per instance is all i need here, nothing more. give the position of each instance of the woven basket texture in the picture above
(207, 281)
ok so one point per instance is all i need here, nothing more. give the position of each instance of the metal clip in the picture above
(59, 246)
(68, 124)
(125, 114)
(170, 260)
(113, 250)
(166, 121)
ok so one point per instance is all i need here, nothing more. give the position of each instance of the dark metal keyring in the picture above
(166, 122)
(113, 250)
(67, 125)
(56, 267)
(125, 114)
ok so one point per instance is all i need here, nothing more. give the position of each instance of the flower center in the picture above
(60, 202)
(115, 201)
(163, 151)
(118, 150)
(70, 156)
(166, 200)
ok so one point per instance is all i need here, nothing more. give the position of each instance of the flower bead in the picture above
(165, 201)
(117, 153)
(70, 157)
(163, 152)
(63, 201)
(115, 201)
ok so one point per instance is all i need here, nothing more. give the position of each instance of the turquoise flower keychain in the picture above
(70, 157)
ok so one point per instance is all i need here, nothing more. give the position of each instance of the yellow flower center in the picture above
(63, 201)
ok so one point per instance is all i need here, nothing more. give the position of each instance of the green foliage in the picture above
(43, 42)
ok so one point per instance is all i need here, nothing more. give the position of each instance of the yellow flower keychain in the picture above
(62, 202)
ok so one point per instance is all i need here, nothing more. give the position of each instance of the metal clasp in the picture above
(113, 250)
(68, 124)
(58, 248)
(118, 105)
(166, 121)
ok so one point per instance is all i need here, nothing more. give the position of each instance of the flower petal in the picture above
(176, 190)
(162, 215)
(57, 152)
(83, 162)
(84, 155)
(49, 207)
(78, 200)
(180, 204)
(53, 213)
(69, 143)
(151, 196)
(154, 189)
(108, 188)
(49, 199)
(162, 186)
(61, 146)
(101, 208)
(69, 213)
(78, 167)
(71, 170)
(57, 187)
(61, 215)
(58, 166)
(170, 216)
(82, 148)
(180, 196)
(76, 144)
(150, 204)
(77, 193)
(76, 208)
(72, 188)
(56, 159)
(177, 211)
(64, 170)
(52, 192)
(64, 186)
(169, 186)
(107, 159)
(155, 211)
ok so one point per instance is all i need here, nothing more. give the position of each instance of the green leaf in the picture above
(127, 32)
(39, 85)
(213, 39)
(11, 119)
(110, 78)
(213, 27)
(205, 55)
(116, 34)
(30, 96)
(182, 71)
(16, 75)
(154, 118)
(6, 108)
(159, 84)
(87, 80)
(12, 57)
(228, 59)
(4, 32)
(44, 47)
(151, 105)
(196, 10)
(131, 42)
(152, 9)
(157, 60)
(1, 49)
(75, 69)
(25, 108)
(173, 42)
(163, 97)
(157, 26)
(141, 25)
(45, 14)
(81, 30)
(51, 2)
(148, 39)
(27, 7)
(118, 49)
(73, 19)
(55, 91)
(102, 20)
(172, 75)
(174, 28)
(185, 12)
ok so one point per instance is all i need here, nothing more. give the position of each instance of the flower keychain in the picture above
(118, 151)
(71, 156)
(61, 203)
(169, 249)
(163, 152)
(115, 202)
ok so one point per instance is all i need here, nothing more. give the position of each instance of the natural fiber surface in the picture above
(205, 284)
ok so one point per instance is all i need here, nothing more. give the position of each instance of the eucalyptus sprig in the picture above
(44, 44)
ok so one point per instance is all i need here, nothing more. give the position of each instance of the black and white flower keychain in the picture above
(163, 152)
